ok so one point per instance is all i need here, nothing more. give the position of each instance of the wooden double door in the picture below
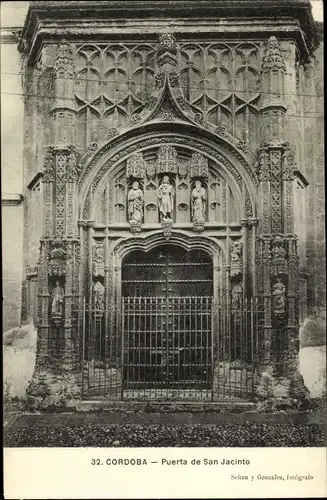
(167, 310)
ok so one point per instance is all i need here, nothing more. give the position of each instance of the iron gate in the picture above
(164, 341)
(167, 347)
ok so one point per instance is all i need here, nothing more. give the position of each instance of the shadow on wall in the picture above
(20, 347)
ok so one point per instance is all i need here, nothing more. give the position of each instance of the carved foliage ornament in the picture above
(167, 160)
(135, 166)
(199, 165)
(273, 59)
(167, 43)
(48, 167)
(72, 166)
(64, 63)
(166, 49)
(57, 259)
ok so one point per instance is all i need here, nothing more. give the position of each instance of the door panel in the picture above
(167, 319)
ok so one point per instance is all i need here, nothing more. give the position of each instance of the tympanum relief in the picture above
(167, 184)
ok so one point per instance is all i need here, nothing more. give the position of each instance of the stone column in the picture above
(56, 381)
(277, 259)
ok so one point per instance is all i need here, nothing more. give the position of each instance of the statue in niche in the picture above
(237, 292)
(166, 199)
(135, 203)
(98, 255)
(98, 296)
(57, 306)
(198, 202)
(236, 258)
(278, 293)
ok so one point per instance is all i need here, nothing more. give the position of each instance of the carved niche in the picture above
(278, 256)
(57, 259)
(98, 260)
(98, 297)
(279, 298)
(135, 171)
(197, 194)
(236, 258)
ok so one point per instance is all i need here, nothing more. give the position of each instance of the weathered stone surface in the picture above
(50, 390)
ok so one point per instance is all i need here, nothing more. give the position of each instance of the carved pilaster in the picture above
(42, 353)
(63, 109)
(48, 190)
(272, 107)
(278, 273)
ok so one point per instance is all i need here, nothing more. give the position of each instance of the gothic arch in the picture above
(238, 166)
(151, 240)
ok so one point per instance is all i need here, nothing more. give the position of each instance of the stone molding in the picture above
(48, 13)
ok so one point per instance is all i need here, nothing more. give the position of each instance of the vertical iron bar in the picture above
(173, 347)
(122, 345)
(144, 345)
(83, 344)
(150, 344)
(139, 317)
(156, 346)
(133, 347)
(181, 352)
(190, 342)
(202, 379)
(252, 338)
(195, 356)
(100, 353)
(223, 329)
(246, 343)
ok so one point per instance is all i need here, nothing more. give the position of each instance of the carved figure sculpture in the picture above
(198, 202)
(98, 253)
(237, 297)
(57, 300)
(278, 293)
(135, 203)
(98, 296)
(236, 258)
(166, 199)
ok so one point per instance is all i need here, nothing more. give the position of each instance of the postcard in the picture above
(163, 249)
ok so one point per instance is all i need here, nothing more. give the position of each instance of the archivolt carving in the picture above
(148, 242)
(184, 141)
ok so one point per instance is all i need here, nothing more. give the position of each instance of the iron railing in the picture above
(171, 348)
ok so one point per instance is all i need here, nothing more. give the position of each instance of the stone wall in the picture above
(12, 112)
(313, 164)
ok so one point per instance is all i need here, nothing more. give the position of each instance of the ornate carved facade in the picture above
(162, 141)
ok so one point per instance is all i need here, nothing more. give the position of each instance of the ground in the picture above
(142, 429)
